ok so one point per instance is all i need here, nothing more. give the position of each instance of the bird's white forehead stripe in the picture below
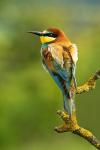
(44, 31)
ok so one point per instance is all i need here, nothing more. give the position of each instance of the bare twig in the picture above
(70, 122)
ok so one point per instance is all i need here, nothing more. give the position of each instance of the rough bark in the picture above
(70, 122)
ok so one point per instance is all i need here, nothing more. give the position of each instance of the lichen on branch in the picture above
(70, 122)
(90, 84)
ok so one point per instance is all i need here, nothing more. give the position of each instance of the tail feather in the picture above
(69, 105)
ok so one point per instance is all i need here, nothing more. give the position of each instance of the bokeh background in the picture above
(29, 97)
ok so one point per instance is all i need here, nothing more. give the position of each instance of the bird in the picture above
(59, 58)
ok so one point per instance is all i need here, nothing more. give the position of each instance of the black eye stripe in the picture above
(50, 35)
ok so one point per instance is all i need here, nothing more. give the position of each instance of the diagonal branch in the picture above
(90, 84)
(88, 136)
(70, 124)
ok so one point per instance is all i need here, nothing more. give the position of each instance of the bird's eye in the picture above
(52, 35)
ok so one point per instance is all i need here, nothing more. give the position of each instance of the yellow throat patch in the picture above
(46, 39)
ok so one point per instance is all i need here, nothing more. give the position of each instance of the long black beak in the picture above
(36, 33)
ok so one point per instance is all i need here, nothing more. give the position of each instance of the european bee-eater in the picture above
(59, 57)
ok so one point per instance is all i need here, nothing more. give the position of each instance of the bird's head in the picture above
(50, 35)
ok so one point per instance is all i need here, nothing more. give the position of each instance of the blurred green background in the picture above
(29, 97)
